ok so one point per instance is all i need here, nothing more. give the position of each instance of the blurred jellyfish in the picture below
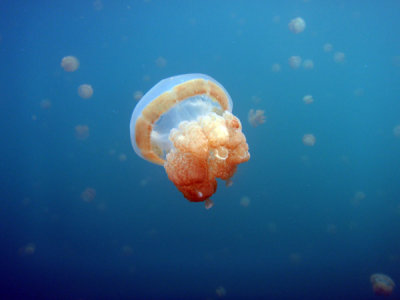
(185, 124)
(161, 62)
(339, 57)
(328, 47)
(297, 25)
(256, 117)
(308, 99)
(98, 5)
(295, 62)
(220, 291)
(276, 19)
(358, 196)
(276, 68)
(308, 64)
(81, 132)
(245, 201)
(122, 157)
(396, 131)
(88, 194)
(137, 95)
(382, 284)
(70, 63)
(85, 91)
(309, 139)
(28, 249)
(45, 104)
(358, 92)
(127, 250)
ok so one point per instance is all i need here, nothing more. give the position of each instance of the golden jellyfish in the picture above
(70, 63)
(81, 132)
(309, 139)
(327, 47)
(185, 123)
(339, 57)
(382, 284)
(137, 95)
(85, 91)
(308, 99)
(297, 25)
(256, 117)
(88, 194)
(308, 64)
(276, 68)
(295, 62)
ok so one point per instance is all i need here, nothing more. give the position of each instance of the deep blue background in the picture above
(303, 236)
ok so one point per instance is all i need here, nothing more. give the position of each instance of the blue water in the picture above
(304, 234)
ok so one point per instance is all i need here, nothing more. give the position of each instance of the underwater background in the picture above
(83, 217)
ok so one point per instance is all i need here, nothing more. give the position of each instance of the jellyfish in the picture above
(308, 99)
(70, 63)
(256, 117)
(327, 47)
(339, 57)
(88, 194)
(382, 284)
(308, 64)
(81, 132)
(309, 139)
(297, 25)
(185, 123)
(276, 67)
(295, 62)
(85, 91)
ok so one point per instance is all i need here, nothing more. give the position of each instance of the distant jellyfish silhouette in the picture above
(328, 47)
(81, 132)
(297, 25)
(295, 62)
(382, 284)
(308, 99)
(70, 63)
(85, 91)
(45, 104)
(309, 139)
(220, 291)
(88, 194)
(137, 95)
(256, 117)
(396, 131)
(161, 62)
(276, 67)
(339, 57)
(185, 124)
(308, 64)
(245, 201)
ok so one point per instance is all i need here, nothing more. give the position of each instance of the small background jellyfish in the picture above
(295, 62)
(308, 64)
(308, 99)
(85, 91)
(382, 284)
(81, 132)
(339, 57)
(185, 124)
(70, 63)
(297, 25)
(309, 139)
(256, 117)
(88, 194)
(328, 47)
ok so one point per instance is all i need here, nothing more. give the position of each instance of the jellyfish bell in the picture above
(70, 63)
(382, 284)
(85, 91)
(295, 61)
(185, 123)
(297, 25)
